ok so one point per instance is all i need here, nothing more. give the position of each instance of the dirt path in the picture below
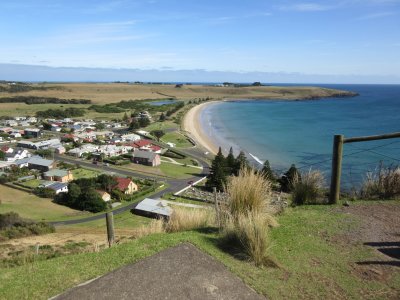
(379, 230)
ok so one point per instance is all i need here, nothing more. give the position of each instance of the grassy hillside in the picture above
(314, 261)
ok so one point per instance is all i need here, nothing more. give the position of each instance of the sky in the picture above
(353, 39)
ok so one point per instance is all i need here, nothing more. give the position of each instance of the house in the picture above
(104, 195)
(130, 137)
(59, 187)
(153, 208)
(38, 163)
(126, 185)
(58, 175)
(146, 158)
(17, 154)
(11, 123)
(33, 132)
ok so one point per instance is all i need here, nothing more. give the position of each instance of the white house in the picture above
(17, 154)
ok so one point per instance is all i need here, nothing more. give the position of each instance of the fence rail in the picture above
(337, 154)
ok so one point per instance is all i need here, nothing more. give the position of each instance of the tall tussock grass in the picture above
(245, 216)
(308, 188)
(248, 192)
(383, 183)
(189, 218)
(155, 226)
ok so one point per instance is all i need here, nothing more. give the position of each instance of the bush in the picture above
(383, 183)
(250, 230)
(248, 192)
(188, 218)
(245, 219)
(44, 192)
(308, 189)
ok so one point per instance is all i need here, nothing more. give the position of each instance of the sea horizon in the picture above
(301, 132)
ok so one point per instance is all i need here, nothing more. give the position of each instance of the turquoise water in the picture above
(301, 132)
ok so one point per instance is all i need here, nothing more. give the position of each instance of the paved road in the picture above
(174, 184)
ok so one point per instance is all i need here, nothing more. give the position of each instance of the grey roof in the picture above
(57, 186)
(56, 172)
(144, 154)
(37, 160)
(154, 206)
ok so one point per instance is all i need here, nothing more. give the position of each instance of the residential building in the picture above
(146, 158)
(59, 187)
(58, 175)
(153, 208)
(17, 154)
(104, 195)
(33, 132)
(126, 185)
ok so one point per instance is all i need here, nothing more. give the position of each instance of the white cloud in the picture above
(307, 7)
(377, 15)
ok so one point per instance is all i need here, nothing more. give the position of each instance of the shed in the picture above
(153, 208)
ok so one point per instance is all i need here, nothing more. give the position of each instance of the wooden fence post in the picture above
(336, 168)
(110, 228)
(216, 207)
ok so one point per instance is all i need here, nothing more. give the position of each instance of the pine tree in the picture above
(230, 162)
(162, 117)
(267, 172)
(217, 176)
(288, 178)
(241, 162)
(125, 117)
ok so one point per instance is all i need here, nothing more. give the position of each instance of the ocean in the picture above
(301, 132)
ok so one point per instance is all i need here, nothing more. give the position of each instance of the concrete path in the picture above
(181, 272)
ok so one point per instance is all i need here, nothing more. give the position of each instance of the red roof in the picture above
(155, 148)
(142, 143)
(122, 183)
(5, 148)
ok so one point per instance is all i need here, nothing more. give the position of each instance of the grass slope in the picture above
(32, 207)
(312, 267)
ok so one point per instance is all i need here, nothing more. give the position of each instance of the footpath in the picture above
(180, 272)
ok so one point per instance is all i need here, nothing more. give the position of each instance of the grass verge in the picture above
(312, 267)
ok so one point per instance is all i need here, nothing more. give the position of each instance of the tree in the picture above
(241, 162)
(267, 172)
(91, 201)
(106, 182)
(99, 126)
(162, 117)
(158, 133)
(134, 124)
(230, 162)
(2, 155)
(45, 153)
(144, 121)
(287, 179)
(217, 176)
(74, 191)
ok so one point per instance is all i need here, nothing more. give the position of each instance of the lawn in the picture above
(178, 171)
(312, 265)
(34, 183)
(84, 173)
(176, 138)
(32, 207)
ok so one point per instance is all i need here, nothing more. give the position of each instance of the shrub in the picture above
(247, 192)
(383, 183)
(44, 192)
(251, 231)
(308, 189)
(188, 218)
(245, 219)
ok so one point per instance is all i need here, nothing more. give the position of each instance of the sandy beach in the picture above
(192, 124)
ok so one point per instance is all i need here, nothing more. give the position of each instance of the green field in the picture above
(178, 171)
(311, 264)
(175, 137)
(84, 173)
(32, 207)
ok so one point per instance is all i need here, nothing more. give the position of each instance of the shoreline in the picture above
(192, 125)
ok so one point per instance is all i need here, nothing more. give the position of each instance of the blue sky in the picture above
(342, 37)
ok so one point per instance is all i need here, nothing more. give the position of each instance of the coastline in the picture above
(192, 125)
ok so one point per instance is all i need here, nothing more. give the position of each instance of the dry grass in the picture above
(155, 226)
(245, 218)
(248, 192)
(189, 218)
(102, 93)
(383, 183)
(309, 189)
